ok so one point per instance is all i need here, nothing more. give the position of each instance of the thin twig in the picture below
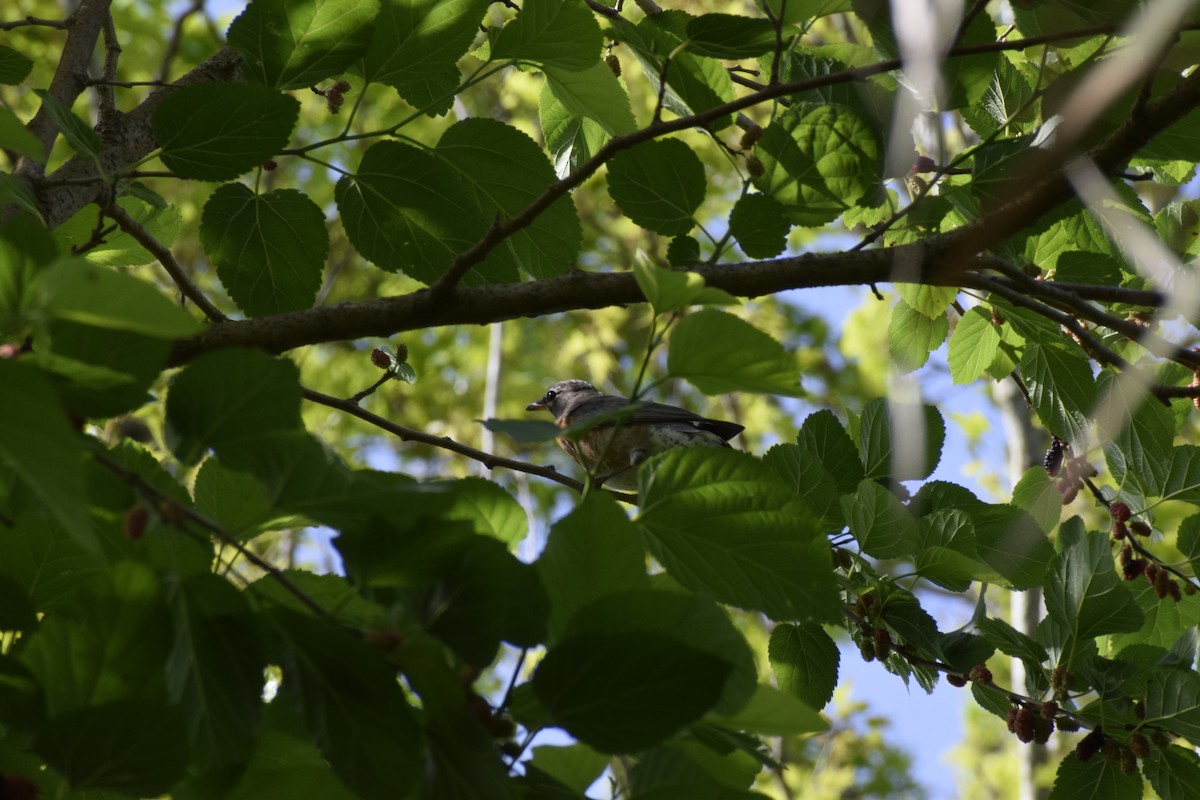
(58, 24)
(446, 443)
(112, 55)
(189, 289)
(145, 487)
(176, 37)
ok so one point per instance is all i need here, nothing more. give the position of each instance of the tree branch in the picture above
(157, 249)
(446, 443)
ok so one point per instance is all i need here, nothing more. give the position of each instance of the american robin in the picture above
(613, 450)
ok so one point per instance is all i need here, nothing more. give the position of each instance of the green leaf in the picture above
(106, 643)
(559, 33)
(17, 193)
(973, 345)
(1088, 597)
(415, 47)
(824, 439)
(405, 211)
(483, 596)
(717, 352)
(575, 766)
(720, 522)
(1139, 456)
(760, 225)
(1010, 542)
(931, 301)
(235, 500)
(683, 251)
(592, 552)
(659, 184)
(136, 747)
(293, 45)
(903, 614)
(691, 619)
(1187, 540)
(818, 161)
(505, 171)
(1010, 641)
(355, 709)
(119, 249)
(729, 36)
(572, 139)
(798, 468)
(215, 669)
(904, 451)
(771, 712)
(72, 289)
(594, 93)
(1095, 779)
(524, 430)
(284, 763)
(231, 398)
(269, 250)
(1173, 701)
(217, 131)
(488, 507)
(14, 66)
(912, 336)
(694, 83)
(947, 550)
(1035, 492)
(38, 444)
(671, 290)
(46, 561)
(882, 525)
(805, 662)
(16, 137)
(1183, 477)
(79, 134)
(1173, 772)
(624, 692)
(790, 12)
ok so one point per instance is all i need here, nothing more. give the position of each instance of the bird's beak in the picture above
(536, 405)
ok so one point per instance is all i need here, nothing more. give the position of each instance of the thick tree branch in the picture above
(70, 78)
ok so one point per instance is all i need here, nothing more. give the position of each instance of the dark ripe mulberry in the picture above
(924, 164)
(883, 643)
(1120, 512)
(750, 136)
(1189, 588)
(1090, 745)
(1140, 528)
(1067, 724)
(1049, 709)
(1042, 728)
(1119, 530)
(1128, 762)
(1011, 719)
(134, 524)
(1173, 590)
(1162, 583)
(614, 64)
(954, 679)
(1054, 457)
(1025, 725)
(1139, 746)
(1133, 569)
(755, 167)
(867, 650)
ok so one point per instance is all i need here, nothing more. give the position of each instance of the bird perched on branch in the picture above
(613, 449)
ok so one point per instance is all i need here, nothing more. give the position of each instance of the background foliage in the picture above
(209, 227)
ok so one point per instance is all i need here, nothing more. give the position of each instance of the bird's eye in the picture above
(550, 395)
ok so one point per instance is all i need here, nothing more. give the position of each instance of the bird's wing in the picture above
(652, 413)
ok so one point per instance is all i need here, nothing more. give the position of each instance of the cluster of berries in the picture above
(1125, 753)
(1070, 471)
